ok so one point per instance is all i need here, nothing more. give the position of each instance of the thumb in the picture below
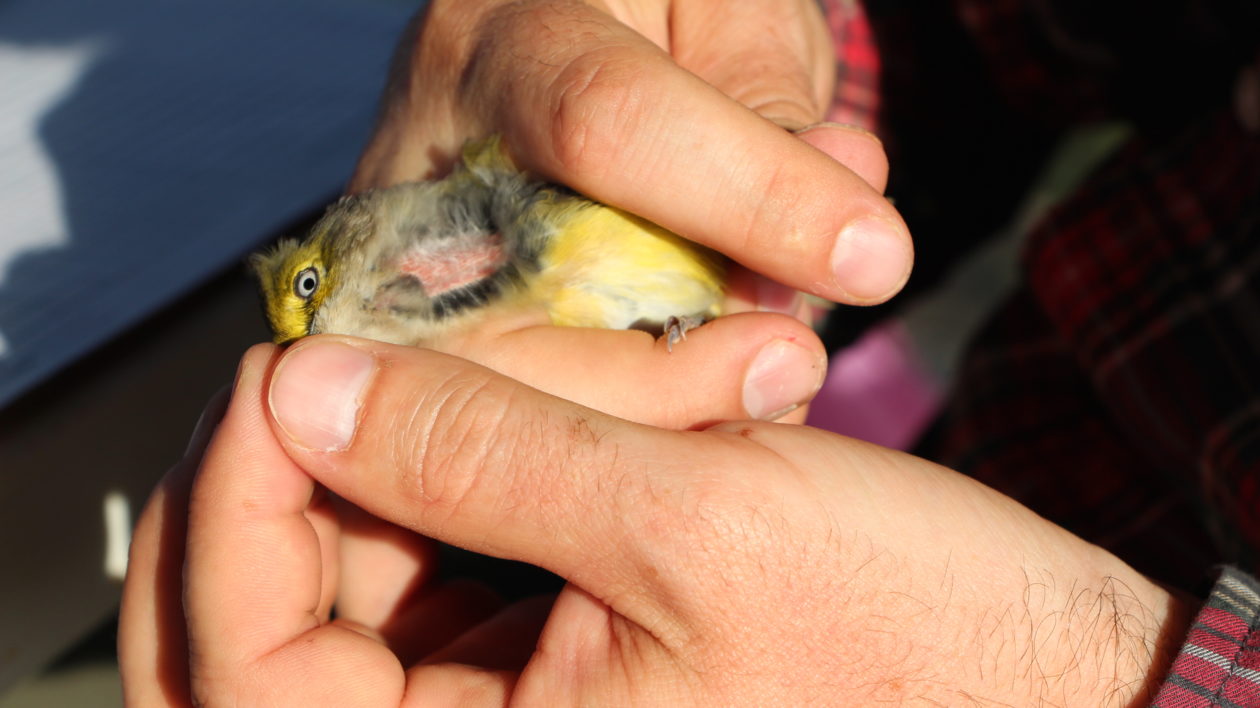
(457, 452)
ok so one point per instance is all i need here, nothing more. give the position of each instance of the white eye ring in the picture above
(306, 282)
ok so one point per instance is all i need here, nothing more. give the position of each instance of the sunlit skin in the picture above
(711, 560)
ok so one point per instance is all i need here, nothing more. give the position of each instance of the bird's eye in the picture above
(305, 283)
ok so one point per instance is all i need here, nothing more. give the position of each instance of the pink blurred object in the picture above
(878, 390)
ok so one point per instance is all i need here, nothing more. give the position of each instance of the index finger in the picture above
(253, 576)
(618, 120)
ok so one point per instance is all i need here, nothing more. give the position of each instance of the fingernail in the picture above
(871, 259)
(316, 393)
(782, 377)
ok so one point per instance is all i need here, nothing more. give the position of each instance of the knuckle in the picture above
(477, 446)
(563, 79)
(775, 85)
(596, 100)
(446, 441)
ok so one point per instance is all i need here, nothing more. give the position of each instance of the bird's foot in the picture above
(676, 329)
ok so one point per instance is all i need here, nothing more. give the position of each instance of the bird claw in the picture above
(676, 329)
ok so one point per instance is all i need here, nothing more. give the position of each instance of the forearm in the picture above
(1105, 640)
(1045, 638)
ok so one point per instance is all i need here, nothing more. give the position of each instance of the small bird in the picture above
(410, 263)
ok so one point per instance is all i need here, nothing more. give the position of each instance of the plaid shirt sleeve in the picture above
(1219, 664)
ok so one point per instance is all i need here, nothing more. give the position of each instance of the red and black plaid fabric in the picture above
(1150, 275)
(856, 98)
(1117, 391)
(1217, 665)
(1145, 289)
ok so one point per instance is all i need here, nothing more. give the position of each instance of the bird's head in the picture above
(295, 278)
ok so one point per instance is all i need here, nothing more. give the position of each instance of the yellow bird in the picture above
(409, 263)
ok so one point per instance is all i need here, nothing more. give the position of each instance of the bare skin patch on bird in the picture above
(450, 264)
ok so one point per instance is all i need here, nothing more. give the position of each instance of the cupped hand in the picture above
(674, 110)
(749, 563)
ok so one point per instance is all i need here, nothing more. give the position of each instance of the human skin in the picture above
(675, 111)
(754, 564)
(745, 564)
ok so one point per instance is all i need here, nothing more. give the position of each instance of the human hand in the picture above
(672, 110)
(749, 563)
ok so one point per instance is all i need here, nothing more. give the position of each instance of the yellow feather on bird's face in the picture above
(408, 263)
(294, 281)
